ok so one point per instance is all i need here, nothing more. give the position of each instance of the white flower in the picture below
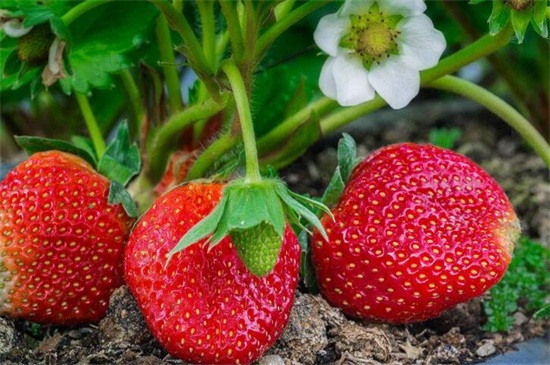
(377, 46)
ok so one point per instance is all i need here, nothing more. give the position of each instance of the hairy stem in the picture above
(229, 11)
(245, 118)
(210, 155)
(168, 63)
(136, 103)
(206, 11)
(160, 146)
(91, 123)
(499, 107)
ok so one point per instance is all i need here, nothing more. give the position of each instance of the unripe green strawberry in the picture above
(61, 243)
(418, 229)
(258, 247)
(33, 47)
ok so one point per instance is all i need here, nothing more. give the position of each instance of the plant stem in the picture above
(276, 135)
(80, 9)
(206, 11)
(193, 50)
(229, 11)
(91, 124)
(136, 103)
(160, 146)
(247, 128)
(210, 155)
(347, 115)
(290, 19)
(499, 107)
(547, 13)
(168, 62)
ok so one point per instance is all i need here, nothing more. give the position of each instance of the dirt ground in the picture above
(317, 333)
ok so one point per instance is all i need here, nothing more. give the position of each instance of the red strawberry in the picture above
(205, 306)
(178, 167)
(417, 230)
(61, 244)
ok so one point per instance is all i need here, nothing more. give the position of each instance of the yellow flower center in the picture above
(373, 36)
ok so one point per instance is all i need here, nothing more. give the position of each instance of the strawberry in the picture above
(203, 305)
(61, 244)
(34, 46)
(178, 167)
(417, 230)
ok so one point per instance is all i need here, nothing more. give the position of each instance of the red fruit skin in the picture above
(417, 230)
(61, 243)
(205, 306)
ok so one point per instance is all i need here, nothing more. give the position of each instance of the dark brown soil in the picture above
(318, 333)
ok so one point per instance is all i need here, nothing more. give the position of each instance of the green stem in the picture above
(206, 11)
(347, 115)
(229, 11)
(91, 124)
(80, 9)
(168, 62)
(290, 19)
(547, 13)
(136, 102)
(282, 131)
(210, 155)
(499, 107)
(247, 128)
(160, 147)
(192, 47)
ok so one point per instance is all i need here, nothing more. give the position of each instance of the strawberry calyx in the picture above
(255, 215)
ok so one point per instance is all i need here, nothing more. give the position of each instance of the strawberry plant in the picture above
(191, 109)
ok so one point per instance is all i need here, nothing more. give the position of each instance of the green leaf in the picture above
(347, 156)
(38, 144)
(499, 17)
(544, 312)
(119, 195)
(121, 160)
(86, 144)
(539, 18)
(445, 137)
(307, 270)
(101, 42)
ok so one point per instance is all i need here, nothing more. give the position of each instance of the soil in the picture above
(318, 333)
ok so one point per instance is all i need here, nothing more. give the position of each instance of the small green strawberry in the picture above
(33, 48)
(258, 247)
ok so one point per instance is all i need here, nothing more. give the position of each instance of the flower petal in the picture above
(14, 28)
(405, 8)
(395, 81)
(329, 31)
(357, 7)
(351, 80)
(326, 79)
(420, 44)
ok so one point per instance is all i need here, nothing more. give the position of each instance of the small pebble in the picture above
(487, 349)
(271, 360)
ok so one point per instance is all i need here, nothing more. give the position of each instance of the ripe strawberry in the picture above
(417, 230)
(204, 306)
(61, 244)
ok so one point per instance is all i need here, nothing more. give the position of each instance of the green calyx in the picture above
(33, 47)
(254, 215)
(520, 13)
(373, 36)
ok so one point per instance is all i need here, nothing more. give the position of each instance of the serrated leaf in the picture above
(121, 160)
(119, 195)
(38, 144)
(102, 39)
(347, 156)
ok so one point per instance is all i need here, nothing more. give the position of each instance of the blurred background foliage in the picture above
(109, 41)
